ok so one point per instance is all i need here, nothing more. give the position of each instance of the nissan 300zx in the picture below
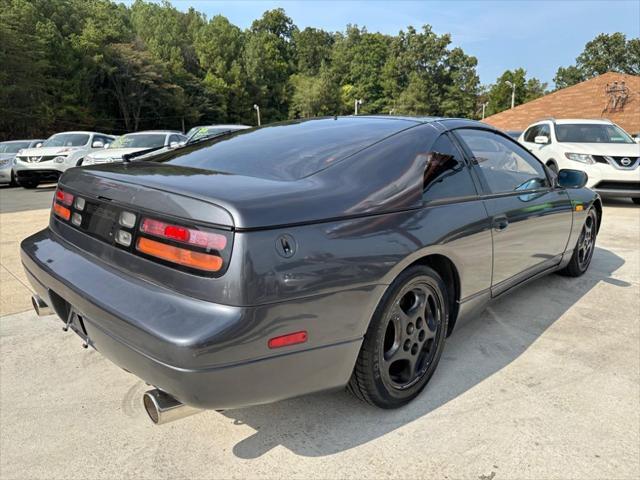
(279, 261)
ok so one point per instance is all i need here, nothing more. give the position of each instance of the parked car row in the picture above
(32, 162)
(605, 152)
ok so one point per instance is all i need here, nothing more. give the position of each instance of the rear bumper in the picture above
(192, 349)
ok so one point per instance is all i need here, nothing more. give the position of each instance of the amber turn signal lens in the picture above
(181, 256)
(62, 212)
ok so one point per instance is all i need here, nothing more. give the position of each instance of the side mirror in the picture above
(173, 144)
(572, 178)
(97, 144)
(38, 145)
(106, 145)
(541, 140)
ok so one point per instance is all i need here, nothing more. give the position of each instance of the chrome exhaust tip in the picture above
(163, 408)
(39, 305)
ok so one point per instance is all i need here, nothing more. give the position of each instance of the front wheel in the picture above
(583, 252)
(404, 341)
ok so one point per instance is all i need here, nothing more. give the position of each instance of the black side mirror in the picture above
(572, 178)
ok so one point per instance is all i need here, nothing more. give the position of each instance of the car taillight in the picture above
(190, 236)
(181, 256)
(61, 201)
(190, 247)
(63, 197)
(62, 212)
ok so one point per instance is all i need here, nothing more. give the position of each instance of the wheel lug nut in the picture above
(419, 324)
(410, 329)
(407, 345)
(414, 349)
(421, 335)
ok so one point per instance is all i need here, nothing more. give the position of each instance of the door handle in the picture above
(500, 223)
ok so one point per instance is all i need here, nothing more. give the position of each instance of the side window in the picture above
(505, 166)
(445, 174)
(531, 134)
(544, 130)
(175, 138)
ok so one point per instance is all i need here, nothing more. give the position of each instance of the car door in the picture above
(531, 220)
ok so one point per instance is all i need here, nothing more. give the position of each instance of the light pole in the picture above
(356, 103)
(257, 109)
(513, 92)
(484, 106)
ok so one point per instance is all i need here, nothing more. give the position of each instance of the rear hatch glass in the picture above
(285, 151)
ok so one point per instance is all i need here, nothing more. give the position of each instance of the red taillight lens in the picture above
(288, 339)
(62, 212)
(189, 236)
(64, 198)
(181, 256)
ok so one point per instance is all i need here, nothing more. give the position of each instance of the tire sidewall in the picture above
(377, 328)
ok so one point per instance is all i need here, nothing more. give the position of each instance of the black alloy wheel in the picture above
(585, 246)
(404, 342)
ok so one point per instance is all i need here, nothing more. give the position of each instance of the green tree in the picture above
(314, 95)
(605, 53)
(313, 49)
(499, 94)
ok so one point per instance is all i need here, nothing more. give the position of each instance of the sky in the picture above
(539, 36)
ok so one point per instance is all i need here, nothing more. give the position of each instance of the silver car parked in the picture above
(8, 152)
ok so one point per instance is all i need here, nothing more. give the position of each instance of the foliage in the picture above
(499, 94)
(605, 53)
(97, 64)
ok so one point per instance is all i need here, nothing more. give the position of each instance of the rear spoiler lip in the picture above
(147, 199)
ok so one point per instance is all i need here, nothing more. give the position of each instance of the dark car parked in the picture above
(274, 262)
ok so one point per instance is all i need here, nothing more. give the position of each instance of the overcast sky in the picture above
(537, 35)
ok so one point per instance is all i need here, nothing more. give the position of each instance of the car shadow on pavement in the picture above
(328, 423)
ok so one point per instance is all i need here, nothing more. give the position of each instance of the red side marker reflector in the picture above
(62, 212)
(64, 197)
(288, 339)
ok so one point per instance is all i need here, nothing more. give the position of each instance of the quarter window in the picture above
(504, 165)
(445, 174)
(532, 133)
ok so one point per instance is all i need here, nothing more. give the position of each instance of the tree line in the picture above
(95, 64)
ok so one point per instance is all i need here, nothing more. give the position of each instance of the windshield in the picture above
(207, 132)
(591, 133)
(139, 140)
(67, 140)
(13, 147)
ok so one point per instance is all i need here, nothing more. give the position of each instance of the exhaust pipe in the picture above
(39, 305)
(163, 408)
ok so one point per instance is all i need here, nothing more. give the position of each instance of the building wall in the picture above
(584, 100)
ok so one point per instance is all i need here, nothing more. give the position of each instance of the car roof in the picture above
(159, 132)
(25, 140)
(87, 132)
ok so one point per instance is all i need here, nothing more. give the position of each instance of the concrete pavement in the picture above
(545, 384)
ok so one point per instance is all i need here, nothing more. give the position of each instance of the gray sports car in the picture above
(274, 262)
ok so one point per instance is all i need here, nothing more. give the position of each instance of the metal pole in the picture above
(484, 106)
(513, 96)
(355, 107)
(257, 109)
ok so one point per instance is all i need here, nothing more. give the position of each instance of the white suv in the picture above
(58, 153)
(608, 154)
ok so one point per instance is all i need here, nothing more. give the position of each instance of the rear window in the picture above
(13, 147)
(286, 151)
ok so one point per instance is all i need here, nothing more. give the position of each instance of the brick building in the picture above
(615, 96)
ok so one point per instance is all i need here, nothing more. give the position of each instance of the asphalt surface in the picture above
(545, 384)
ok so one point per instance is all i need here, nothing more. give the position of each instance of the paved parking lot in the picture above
(545, 384)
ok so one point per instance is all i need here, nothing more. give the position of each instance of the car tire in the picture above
(404, 341)
(30, 184)
(13, 182)
(636, 200)
(583, 251)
